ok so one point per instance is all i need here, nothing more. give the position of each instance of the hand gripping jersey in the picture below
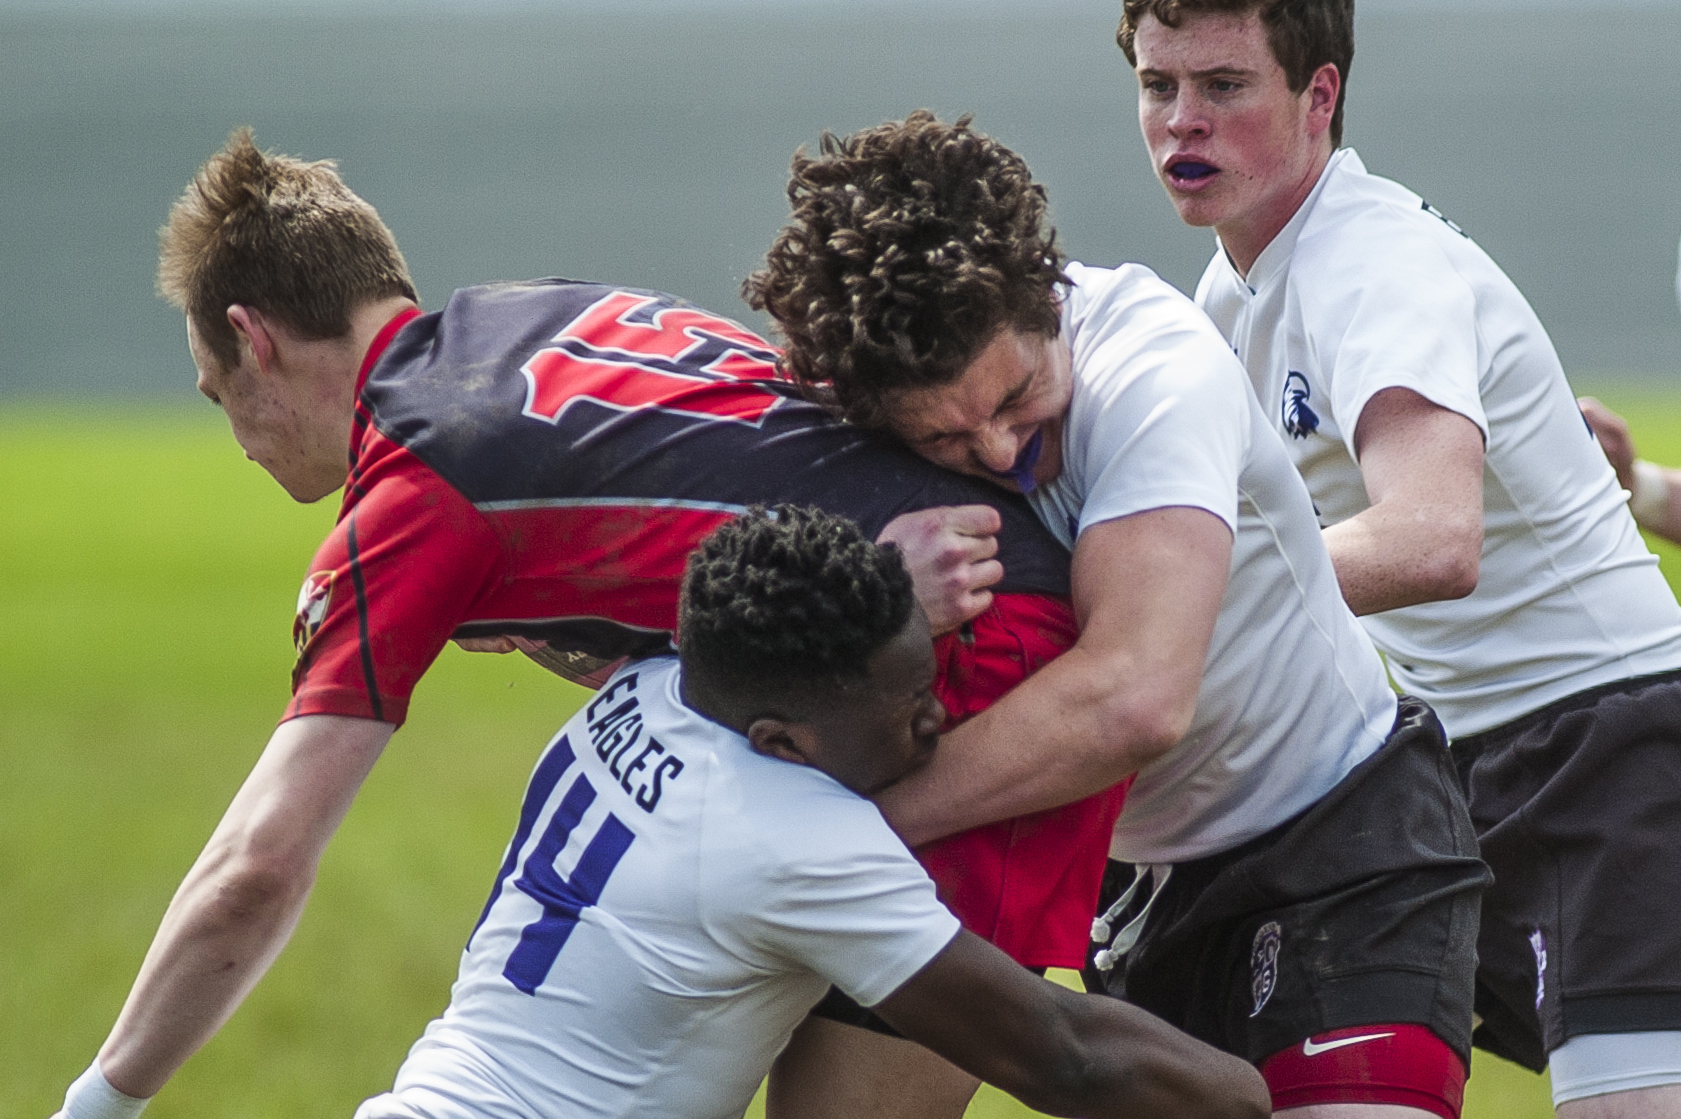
(670, 907)
(540, 458)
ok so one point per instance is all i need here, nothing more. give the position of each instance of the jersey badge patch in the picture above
(313, 599)
(1263, 964)
(1300, 420)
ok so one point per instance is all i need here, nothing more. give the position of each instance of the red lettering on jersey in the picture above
(673, 333)
(605, 357)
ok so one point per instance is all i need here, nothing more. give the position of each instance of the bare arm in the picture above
(1147, 591)
(1654, 491)
(241, 899)
(1063, 1053)
(1421, 539)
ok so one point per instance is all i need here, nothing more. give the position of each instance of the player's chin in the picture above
(1199, 208)
(923, 753)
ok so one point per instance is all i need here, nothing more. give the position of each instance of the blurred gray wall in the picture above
(649, 146)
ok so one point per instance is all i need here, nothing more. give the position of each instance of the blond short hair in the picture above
(280, 234)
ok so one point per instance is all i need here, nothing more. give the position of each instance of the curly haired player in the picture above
(1313, 877)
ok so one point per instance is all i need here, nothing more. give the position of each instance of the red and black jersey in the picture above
(539, 459)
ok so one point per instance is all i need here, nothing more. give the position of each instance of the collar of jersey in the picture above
(1274, 260)
(376, 348)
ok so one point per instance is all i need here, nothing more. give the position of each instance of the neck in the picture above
(1247, 238)
(369, 319)
(324, 374)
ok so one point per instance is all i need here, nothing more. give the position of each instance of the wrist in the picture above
(1648, 498)
(92, 1097)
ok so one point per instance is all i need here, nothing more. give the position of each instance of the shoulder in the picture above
(774, 832)
(1369, 231)
(1099, 297)
(1130, 331)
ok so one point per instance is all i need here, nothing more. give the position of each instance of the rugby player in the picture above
(533, 463)
(695, 863)
(1312, 879)
(1472, 521)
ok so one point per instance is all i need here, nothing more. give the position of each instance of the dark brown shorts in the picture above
(1578, 809)
(1361, 910)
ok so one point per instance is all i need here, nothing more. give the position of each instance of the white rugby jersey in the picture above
(1370, 288)
(1293, 695)
(670, 907)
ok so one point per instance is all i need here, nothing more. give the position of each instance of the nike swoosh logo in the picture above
(1310, 1049)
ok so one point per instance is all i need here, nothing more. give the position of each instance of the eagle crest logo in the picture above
(1300, 420)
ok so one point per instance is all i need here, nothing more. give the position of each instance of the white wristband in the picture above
(1648, 500)
(92, 1097)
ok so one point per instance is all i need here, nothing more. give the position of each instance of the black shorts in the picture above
(1361, 910)
(1578, 807)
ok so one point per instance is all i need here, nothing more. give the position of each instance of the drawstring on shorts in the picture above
(1118, 944)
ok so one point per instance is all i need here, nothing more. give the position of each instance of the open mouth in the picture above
(1191, 170)
(1021, 472)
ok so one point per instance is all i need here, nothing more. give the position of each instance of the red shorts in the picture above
(1029, 885)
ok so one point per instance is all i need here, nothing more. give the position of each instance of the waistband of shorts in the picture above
(1576, 701)
(1411, 713)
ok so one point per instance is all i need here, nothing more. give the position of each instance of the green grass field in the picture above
(147, 581)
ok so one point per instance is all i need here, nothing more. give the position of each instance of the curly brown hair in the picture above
(1303, 35)
(279, 234)
(911, 245)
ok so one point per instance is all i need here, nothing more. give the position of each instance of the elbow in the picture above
(1452, 569)
(1075, 1082)
(251, 885)
(1149, 723)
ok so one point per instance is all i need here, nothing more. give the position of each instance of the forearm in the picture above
(1063, 1053)
(1655, 499)
(1132, 1063)
(1392, 556)
(221, 932)
(1071, 731)
(239, 903)
(1669, 527)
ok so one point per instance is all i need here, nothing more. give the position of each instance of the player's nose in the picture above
(997, 448)
(1186, 118)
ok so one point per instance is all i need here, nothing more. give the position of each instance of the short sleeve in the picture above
(388, 586)
(1160, 414)
(845, 899)
(1403, 320)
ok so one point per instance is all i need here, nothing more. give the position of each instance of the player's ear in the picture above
(1322, 90)
(781, 739)
(254, 332)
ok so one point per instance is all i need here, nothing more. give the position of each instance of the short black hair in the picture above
(778, 605)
